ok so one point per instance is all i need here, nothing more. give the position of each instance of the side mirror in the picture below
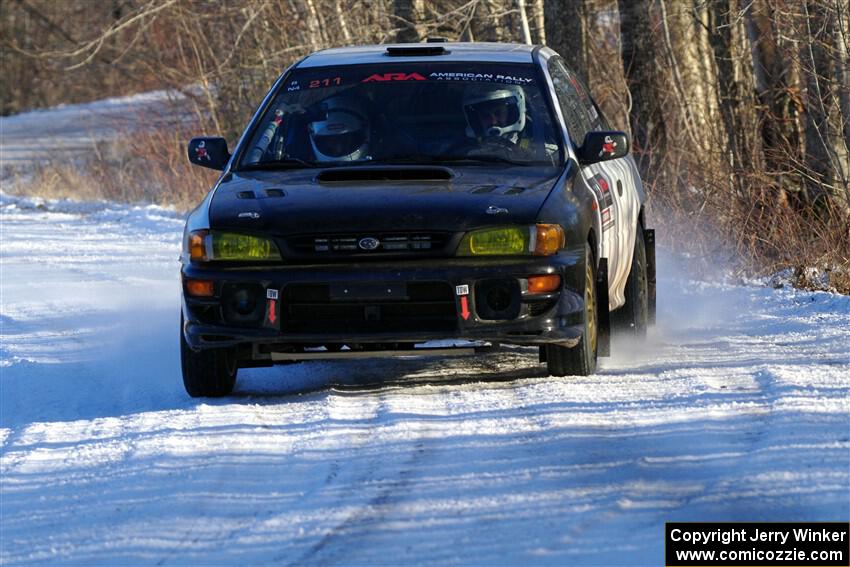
(209, 152)
(603, 146)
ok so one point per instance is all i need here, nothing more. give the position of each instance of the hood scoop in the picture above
(345, 174)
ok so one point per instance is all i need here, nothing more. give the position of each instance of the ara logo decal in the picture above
(368, 243)
(494, 210)
(393, 77)
(609, 146)
(248, 215)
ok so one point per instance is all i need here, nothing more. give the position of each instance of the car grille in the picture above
(420, 306)
(380, 244)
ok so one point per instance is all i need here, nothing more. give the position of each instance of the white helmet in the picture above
(342, 134)
(494, 112)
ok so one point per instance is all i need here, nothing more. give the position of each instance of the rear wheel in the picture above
(632, 319)
(579, 360)
(208, 373)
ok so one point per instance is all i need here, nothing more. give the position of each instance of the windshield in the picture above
(406, 113)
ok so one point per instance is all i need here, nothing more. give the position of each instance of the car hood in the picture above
(297, 202)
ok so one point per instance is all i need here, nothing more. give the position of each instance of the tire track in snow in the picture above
(364, 415)
(268, 415)
(391, 481)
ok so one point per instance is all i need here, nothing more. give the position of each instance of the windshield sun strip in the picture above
(546, 142)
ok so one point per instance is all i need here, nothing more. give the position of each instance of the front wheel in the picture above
(580, 360)
(207, 373)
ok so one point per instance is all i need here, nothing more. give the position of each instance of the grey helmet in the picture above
(494, 111)
(342, 134)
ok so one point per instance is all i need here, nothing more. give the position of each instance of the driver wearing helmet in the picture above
(342, 131)
(496, 113)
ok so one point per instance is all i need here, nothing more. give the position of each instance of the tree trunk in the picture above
(827, 178)
(685, 34)
(485, 24)
(776, 76)
(540, 21)
(640, 63)
(735, 86)
(343, 25)
(566, 32)
(405, 21)
(526, 31)
(842, 52)
(314, 26)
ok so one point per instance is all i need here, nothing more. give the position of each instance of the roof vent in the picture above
(414, 50)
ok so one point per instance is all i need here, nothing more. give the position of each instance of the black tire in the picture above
(208, 373)
(632, 318)
(580, 360)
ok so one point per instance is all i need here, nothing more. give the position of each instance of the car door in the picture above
(612, 182)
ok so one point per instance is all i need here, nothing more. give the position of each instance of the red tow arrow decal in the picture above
(272, 311)
(464, 308)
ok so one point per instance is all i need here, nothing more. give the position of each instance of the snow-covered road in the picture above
(736, 409)
(65, 132)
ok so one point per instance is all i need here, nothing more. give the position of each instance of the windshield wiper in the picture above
(408, 158)
(486, 158)
(288, 163)
(438, 160)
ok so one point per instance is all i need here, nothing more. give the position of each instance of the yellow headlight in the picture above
(495, 242)
(230, 246)
(538, 239)
(234, 246)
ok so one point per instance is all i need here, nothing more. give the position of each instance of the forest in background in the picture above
(738, 110)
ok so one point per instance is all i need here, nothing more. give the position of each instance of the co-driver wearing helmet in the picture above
(498, 123)
(495, 112)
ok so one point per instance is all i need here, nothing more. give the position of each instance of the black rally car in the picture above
(386, 197)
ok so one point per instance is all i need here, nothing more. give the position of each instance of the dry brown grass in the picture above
(757, 232)
(153, 168)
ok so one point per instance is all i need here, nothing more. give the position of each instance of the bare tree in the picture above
(735, 88)
(640, 56)
(566, 32)
(404, 13)
(526, 31)
(825, 151)
(486, 21)
(776, 79)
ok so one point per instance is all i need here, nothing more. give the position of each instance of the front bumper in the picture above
(283, 307)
